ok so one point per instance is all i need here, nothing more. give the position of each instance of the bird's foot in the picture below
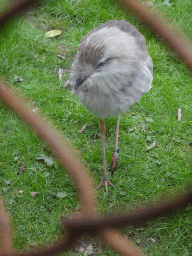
(114, 161)
(105, 182)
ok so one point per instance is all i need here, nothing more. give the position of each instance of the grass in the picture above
(142, 176)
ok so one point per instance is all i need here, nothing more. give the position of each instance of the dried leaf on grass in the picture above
(17, 79)
(53, 33)
(149, 120)
(60, 72)
(143, 127)
(10, 201)
(87, 250)
(85, 247)
(84, 126)
(4, 189)
(7, 182)
(132, 129)
(33, 194)
(61, 56)
(61, 194)
(167, 2)
(34, 109)
(179, 114)
(48, 160)
(66, 84)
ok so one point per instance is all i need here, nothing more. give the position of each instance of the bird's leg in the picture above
(105, 180)
(114, 160)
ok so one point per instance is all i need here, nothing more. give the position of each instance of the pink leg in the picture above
(105, 180)
(114, 160)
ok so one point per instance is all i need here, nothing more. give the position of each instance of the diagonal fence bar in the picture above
(137, 217)
(66, 156)
(172, 36)
(16, 8)
(57, 143)
(5, 232)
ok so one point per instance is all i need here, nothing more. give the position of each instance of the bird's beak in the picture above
(79, 81)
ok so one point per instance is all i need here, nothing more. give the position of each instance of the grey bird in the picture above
(110, 72)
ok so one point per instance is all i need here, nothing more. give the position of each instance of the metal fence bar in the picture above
(57, 143)
(62, 245)
(5, 232)
(141, 215)
(16, 8)
(172, 36)
(119, 243)
(65, 155)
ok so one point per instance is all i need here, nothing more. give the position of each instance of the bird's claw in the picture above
(114, 161)
(105, 182)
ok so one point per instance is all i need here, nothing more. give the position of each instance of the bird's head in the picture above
(102, 61)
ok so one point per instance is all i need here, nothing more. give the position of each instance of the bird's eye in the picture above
(101, 64)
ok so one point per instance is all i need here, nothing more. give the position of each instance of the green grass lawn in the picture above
(142, 175)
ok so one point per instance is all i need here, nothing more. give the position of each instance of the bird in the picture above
(111, 70)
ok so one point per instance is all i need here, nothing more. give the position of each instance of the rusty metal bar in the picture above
(65, 154)
(135, 218)
(119, 243)
(57, 143)
(5, 232)
(176, 39)
(16, 8)
(59, 246)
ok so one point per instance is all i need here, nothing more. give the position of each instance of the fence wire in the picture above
(87, 221)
